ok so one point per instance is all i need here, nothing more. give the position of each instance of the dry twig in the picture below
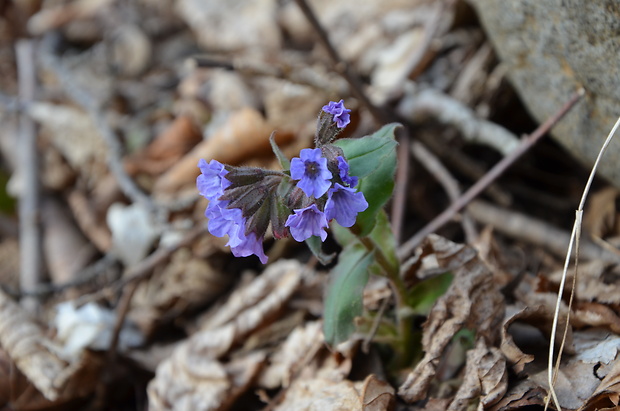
(407, 248)
(574, 239)
(447, 181)
(29, 233)
(94, 110)
(534, 231)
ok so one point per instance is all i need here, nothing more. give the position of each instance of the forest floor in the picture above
(114, 295)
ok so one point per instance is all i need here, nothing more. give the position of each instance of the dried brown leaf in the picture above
(32, 353)
(485, 378)
(607, 395)
(186, 283)
(595, 315)
(192, 372)
(66, 250)
(472, 301)
(203, 383)
(176, 140)
(520, 395)
(245, 134)
(74, 134)
(285, 362)
(321, 394)
(377, 395)
(601, 217)
(597, 282)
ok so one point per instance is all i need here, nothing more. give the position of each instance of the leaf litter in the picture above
(211, 332)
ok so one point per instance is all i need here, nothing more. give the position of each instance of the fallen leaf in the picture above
(176, 140)
(377, 395)
(245, 134)
(523, 394)
(32, 352)
(321, 394)
(192, 377)
(485, 380)
(472, 302)
(66, 250)
(607, 394)
(293, 352)
(601, 217)
(186, 283)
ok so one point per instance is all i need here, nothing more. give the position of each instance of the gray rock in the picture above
(551, 49)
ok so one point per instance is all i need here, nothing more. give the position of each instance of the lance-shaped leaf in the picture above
(344, 295)
(373, 160)
(284, 162)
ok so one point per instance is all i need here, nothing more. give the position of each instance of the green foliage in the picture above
(373, 160)
(314, 244)
(381, 236)
(344, 295)
(424, 294)
(284, 162)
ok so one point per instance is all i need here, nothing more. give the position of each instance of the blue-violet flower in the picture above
(311, 171)
(307, 222)
(212, 182)
(343, 169)
(343, 204)
(226, 221)
(341, 114)
(250, 245)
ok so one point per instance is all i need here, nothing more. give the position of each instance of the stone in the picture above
(553, 48)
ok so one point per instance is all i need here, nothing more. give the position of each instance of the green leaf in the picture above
(381, 235)
(366, 153)
(314, 244)
(284, 162)
(383, 238)
(373, 160)
(344, 295)
(424, 294)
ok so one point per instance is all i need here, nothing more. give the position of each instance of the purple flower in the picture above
(211, 182)
(307, 222)
(250, 245)
(341, 114)
(311, 171)
(343, 168)
(343, 204)
(230, 221)
(226, 221)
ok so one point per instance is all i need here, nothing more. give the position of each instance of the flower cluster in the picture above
(301, 201)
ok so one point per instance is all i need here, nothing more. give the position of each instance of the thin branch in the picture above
(447, 181)
(449, 111)
(94, 108)
(493, 174)
(144, 268)
(29, 232)
(535, 231)
(400, 186)
(575, 238)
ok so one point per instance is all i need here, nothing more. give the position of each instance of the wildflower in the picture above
(341, 114)
(211, 182)
(343, 168)
(225, 221)
(343, 204)
(250, 245)
(307, 222)
(310, 168)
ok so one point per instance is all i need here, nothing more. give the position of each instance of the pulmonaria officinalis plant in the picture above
(344, 181)
(299, 201)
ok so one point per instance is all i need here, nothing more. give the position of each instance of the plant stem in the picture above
(392, 272)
